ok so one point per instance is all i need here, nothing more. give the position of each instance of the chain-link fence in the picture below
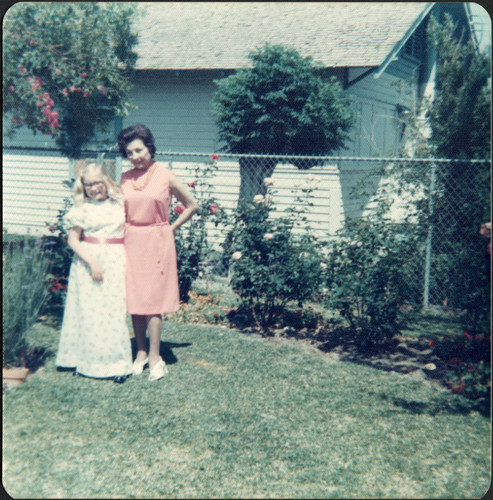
(446, 201)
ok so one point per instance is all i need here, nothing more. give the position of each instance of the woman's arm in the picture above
(184, 196)
(75, 244)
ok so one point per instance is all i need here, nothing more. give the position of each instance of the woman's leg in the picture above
(140, 326)
(154, 327)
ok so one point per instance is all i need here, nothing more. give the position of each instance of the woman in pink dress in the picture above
(152, 279)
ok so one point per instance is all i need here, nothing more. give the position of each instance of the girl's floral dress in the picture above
(94, 338)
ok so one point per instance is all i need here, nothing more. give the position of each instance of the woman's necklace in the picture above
(148, 176)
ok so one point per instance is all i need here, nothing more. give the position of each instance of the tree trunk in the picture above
(253, 171)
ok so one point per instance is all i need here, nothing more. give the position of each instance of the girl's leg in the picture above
(140, 326)
(154, 327)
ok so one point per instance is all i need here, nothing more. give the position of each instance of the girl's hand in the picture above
(96, 271)
(74, 241)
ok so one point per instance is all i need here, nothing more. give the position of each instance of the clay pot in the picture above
(14, 376)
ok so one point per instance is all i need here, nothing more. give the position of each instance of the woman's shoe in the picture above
(138, 366)
(158, 370)
(120, 379)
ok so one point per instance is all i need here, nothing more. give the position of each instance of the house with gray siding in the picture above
(183, 47)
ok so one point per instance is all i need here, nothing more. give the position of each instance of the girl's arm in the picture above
(184, 196)
(76, 245)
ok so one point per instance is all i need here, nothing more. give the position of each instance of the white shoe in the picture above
(158, 370)
(138, 366)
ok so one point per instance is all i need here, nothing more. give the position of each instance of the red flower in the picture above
(214, 209)
(431, 343)
(83, 75)
(468, 337)
(457, 388)
(192, 184)
(56, 285)
(214, 157)
(179, 209)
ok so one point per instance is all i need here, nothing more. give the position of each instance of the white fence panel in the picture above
(32, 192)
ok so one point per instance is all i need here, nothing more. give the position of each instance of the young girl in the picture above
(95, 340)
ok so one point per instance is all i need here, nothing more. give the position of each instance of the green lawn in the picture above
(239, 416)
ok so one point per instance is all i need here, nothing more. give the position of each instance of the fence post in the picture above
(429, 241)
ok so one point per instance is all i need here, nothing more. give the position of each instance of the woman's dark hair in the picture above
(129, 134)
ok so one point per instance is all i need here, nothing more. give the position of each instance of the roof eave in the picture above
(392, 55)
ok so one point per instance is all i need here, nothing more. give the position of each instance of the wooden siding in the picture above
(176, 106)
(377, 132)
(33, 192)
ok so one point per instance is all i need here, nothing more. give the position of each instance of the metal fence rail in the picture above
(431, 192)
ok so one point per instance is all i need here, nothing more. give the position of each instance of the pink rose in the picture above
(214, 157)
(213, 209)
(83, 75)
(179, 209)
(192, 184)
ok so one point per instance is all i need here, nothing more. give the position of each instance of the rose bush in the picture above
(192, 245)
(468, 363)
(364, 274)
(275, 257)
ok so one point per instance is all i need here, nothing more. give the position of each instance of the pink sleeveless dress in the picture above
(151, 277)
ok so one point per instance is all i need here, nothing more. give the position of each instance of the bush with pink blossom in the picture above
(275, 257)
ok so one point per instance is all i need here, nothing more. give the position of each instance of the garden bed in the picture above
(434, 348)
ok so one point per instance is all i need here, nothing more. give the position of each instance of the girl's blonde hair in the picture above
(80, 197)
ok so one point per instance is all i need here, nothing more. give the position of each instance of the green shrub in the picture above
(25, 288)
(61, 254)
(365, 273)
(276, 258)
(192, 246)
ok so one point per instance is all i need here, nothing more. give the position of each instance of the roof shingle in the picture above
(219, 35)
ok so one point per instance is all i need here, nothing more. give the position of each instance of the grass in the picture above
(239, 416)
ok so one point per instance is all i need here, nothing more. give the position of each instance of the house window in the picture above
(415, 46)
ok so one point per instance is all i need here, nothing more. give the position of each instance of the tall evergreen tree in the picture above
(460, 118)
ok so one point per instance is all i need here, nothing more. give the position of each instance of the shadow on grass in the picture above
(454, 406)
(52, 318)
(165, 350)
